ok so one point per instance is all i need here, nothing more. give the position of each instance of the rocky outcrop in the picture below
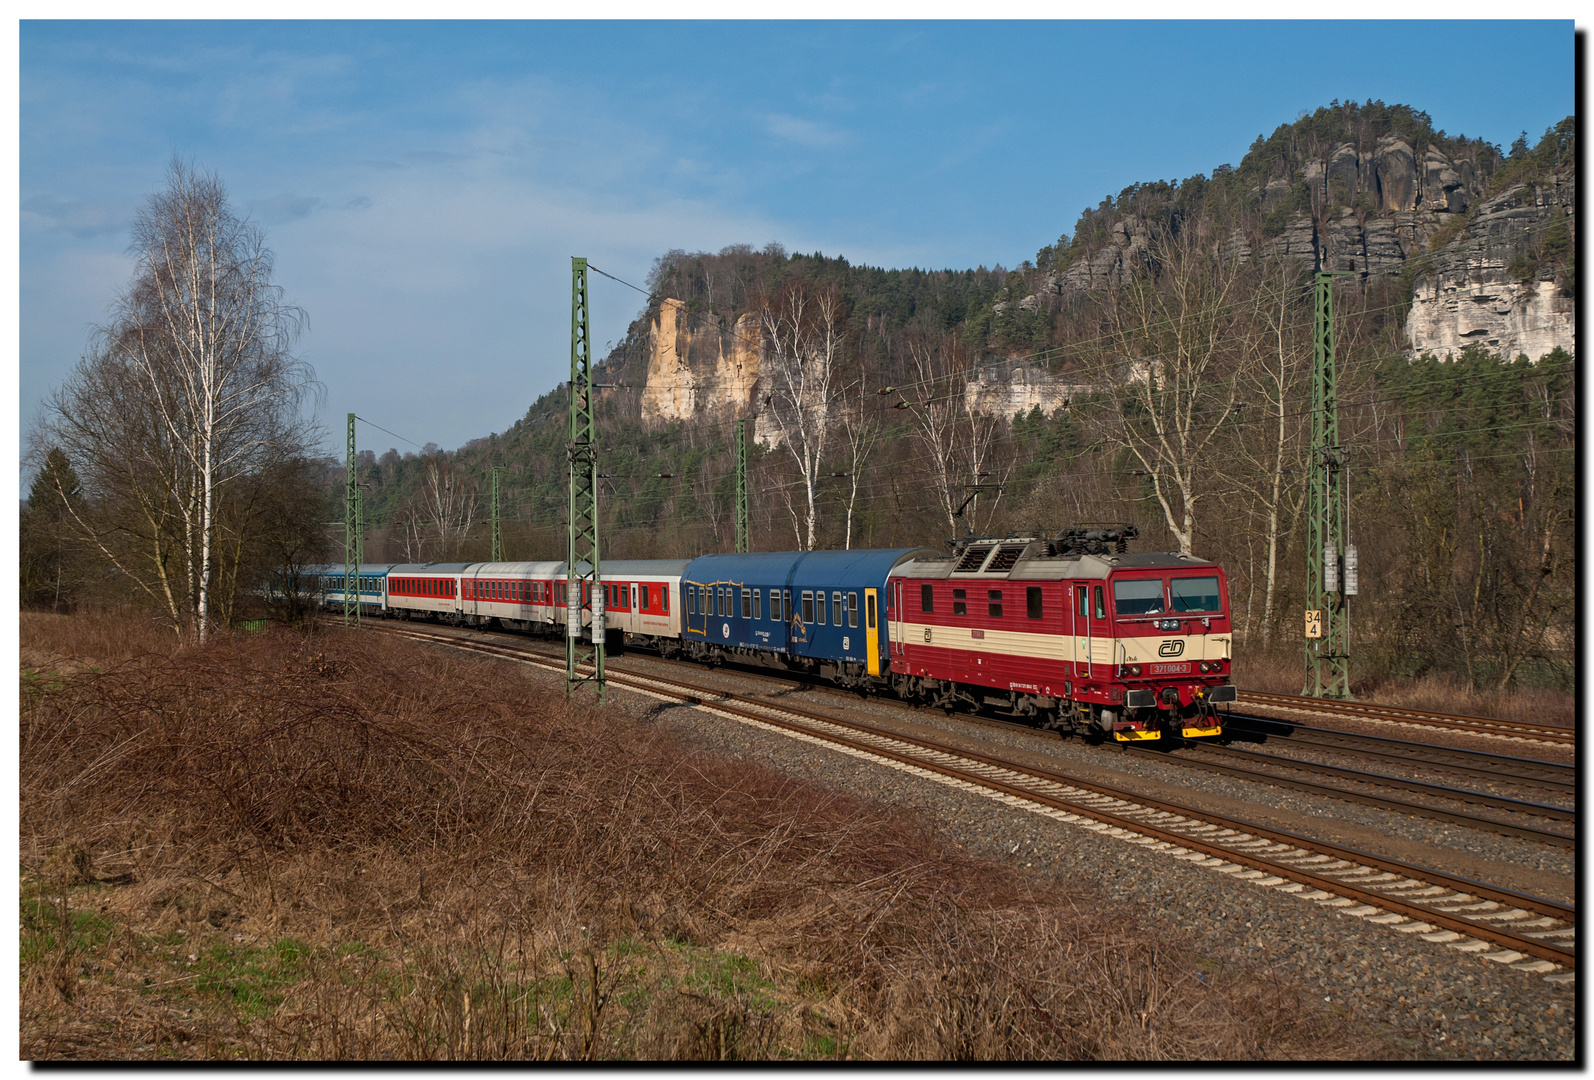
(698, 364)
(1351, 241)
(1396, 169)
(1016, 386)
(1372, 209)
(1480, 290)
(1112, 264)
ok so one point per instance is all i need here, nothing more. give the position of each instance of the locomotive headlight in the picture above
(1134, 669)
(1204, 667)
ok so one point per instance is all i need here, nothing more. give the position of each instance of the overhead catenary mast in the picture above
(1331, 563)
(498, 533)
(583, 582)
(743, 511)
(351, 534)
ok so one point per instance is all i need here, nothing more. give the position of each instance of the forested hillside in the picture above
(1150, 366)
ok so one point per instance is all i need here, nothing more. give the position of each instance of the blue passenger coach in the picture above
(813, 610)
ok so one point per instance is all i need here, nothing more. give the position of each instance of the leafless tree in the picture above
(192, 386)
(957, 439)
(1264, 465)
(1171, 358)
(449, 506)
(803, 323)
(860, 428)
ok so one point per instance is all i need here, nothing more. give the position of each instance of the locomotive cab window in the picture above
(959, 602)
(994, 601)
(1032, 601)
(1101, 607)
(1137, 596)
(1196, 594)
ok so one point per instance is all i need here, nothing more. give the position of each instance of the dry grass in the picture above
(329, 847)
(1282, 673)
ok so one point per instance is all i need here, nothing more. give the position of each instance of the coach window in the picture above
(994, 599)
(852, 609)
(1032, 601)
(747, 603)
(835, 608)
(869, 610)
(808, 606)
(1101, 608)
(691, 599)
(664, 598)
(774, 605)
(960, 602)
(926, 599)
(819, 608)
(785, 600)
(758, 603)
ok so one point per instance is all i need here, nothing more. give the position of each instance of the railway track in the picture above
(1551, 776)
(1474, 725)
(1530, 933)
(1252, 766)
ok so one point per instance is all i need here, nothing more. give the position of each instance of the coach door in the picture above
(1082, 631)
(897, 633)
(871, 622)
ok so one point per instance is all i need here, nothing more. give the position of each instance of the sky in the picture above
(424, 184)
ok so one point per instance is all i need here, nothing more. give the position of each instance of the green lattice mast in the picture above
(498, 532)
(583, 581)
(743, 516)
(1327, 592)
(351, 535)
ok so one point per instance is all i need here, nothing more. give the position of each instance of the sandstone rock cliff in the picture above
(1471, 294)
(699, 364)
(1370, 210)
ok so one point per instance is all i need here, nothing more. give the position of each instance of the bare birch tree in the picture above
(449, 506)
(957, 438)
(860, 427)
(803, 324)
(1171, 361)
(1265, 463)
(192, 386)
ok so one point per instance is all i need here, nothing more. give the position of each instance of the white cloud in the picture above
(809, 133)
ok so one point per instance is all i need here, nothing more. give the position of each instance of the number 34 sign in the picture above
(1314, 623)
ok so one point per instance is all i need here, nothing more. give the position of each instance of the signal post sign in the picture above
(1314, 623)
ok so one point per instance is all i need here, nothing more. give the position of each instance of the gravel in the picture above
(1431, 1002)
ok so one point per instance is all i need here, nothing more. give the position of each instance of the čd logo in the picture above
(1171, 648)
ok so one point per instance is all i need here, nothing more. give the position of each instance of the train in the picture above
(1069, 632)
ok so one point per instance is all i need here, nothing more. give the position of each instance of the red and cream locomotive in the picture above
(1071, 631)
